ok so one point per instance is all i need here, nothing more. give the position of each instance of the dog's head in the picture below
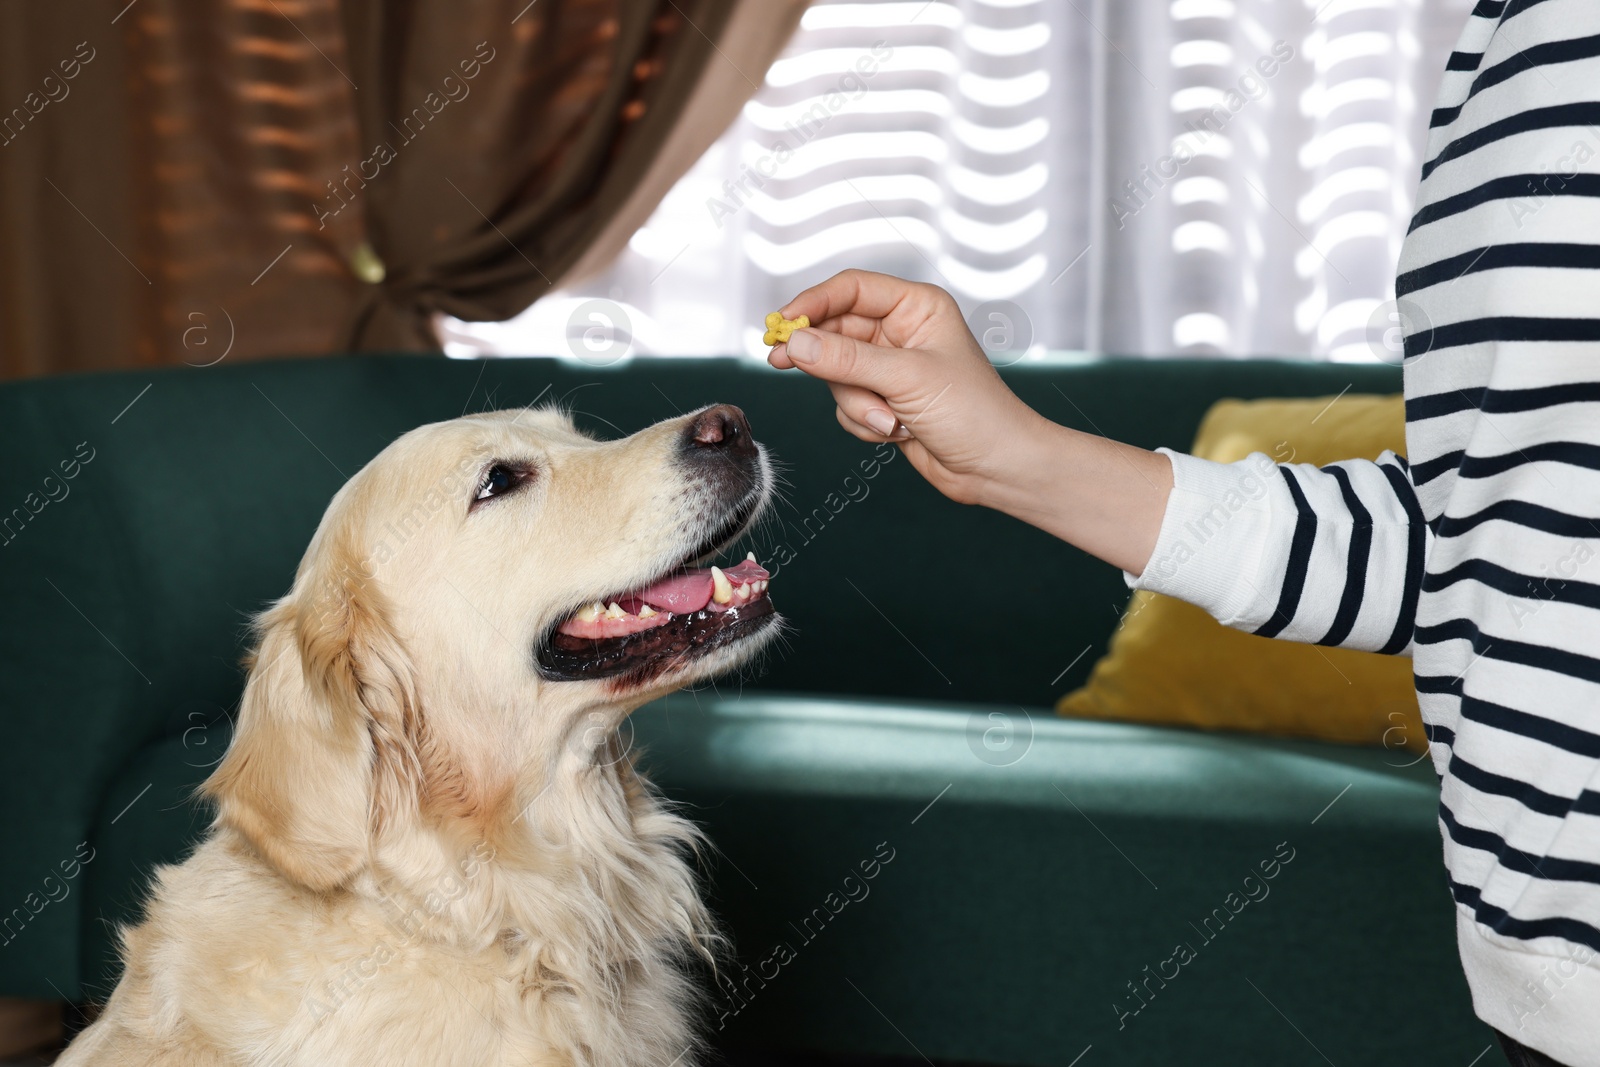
(480, 606)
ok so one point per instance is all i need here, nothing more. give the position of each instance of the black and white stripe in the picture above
(1482, 557)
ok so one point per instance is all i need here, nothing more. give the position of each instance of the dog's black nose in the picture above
(721, 429)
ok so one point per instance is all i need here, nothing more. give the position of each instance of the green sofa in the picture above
(1041, 889)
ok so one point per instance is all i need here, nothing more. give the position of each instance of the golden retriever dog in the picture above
(431, 846)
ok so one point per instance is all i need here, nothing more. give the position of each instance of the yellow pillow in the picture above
(1171, 663)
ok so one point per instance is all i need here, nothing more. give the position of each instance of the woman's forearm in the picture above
(1103, 496)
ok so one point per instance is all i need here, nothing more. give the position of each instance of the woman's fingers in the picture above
(855, 327)
(835, 358)
(861, 292)
(866, 433)
(858, 291)
(868, 410)
(779, 357)
(859, 327)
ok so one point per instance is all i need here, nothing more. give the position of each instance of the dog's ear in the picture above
(322, 756)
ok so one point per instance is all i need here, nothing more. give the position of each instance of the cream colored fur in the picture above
(425, 853)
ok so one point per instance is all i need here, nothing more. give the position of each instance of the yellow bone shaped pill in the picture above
(779, 328)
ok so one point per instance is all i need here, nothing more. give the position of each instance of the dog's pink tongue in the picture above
(682, 593)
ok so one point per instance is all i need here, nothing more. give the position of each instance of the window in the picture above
(1199, 177)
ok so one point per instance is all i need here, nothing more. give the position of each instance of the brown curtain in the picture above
(156, 212)
(247, 178)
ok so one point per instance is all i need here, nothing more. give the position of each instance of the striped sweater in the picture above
(1481, 558)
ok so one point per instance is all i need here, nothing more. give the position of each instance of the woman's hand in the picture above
(903, 367)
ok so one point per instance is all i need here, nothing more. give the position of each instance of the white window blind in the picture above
(1197, 177)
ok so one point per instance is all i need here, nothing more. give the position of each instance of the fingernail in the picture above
(882, 421)
(804, 347)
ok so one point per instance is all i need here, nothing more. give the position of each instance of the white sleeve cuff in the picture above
(1217, 538)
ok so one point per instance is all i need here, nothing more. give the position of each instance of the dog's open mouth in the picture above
(647, 631)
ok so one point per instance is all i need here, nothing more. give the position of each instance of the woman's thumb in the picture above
(834, 357)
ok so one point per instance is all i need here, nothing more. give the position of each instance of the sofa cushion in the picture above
(1040, 865)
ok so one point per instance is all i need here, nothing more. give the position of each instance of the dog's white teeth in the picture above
(761, 586)
(751, 556)
(742, 592)
(647, 612)
(588, 613)
(615, 611)
(721, 588)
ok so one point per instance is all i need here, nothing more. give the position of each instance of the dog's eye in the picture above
(498, 479)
